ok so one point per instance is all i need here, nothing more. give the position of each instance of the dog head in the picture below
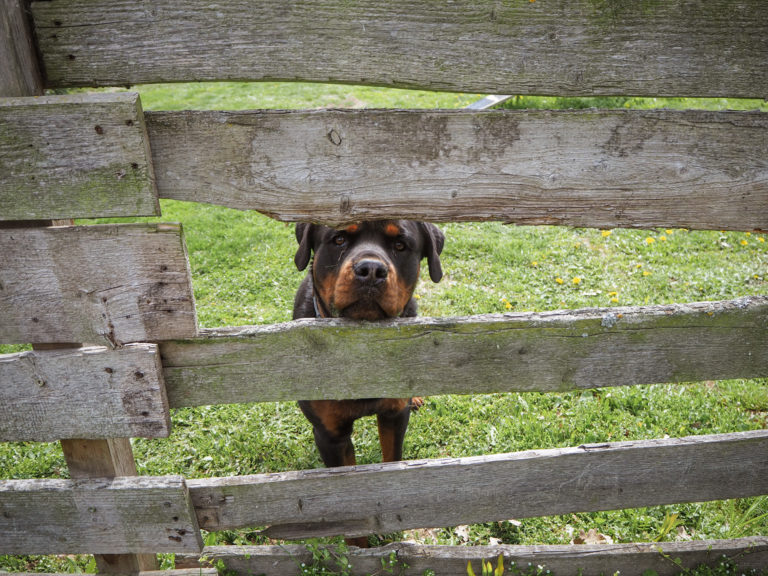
(368, 271)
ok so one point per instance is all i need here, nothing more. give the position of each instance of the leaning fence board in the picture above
(90, 392)
(105, 284)
(564, 47)
(663, 559)
(380, 498)
(596, 168)
(79, 156)
(523, 352)
(97, 516)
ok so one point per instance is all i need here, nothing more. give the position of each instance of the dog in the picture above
(366, 271)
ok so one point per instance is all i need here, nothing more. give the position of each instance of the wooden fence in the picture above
(124, 289)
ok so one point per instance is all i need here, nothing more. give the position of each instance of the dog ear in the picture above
(304, 238)
(434, 239)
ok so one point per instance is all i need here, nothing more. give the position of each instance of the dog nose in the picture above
(368, 271)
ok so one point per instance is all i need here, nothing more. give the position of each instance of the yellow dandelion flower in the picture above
(748, 233)
(639, 266)
(416, 297)
(663, 238)
(534, 263)
(650, 240)
(760, 239)
(646, 273)
(508, 306)
(669, 232)
(614, 293)
(576, 280)
(615, 300)
(559, 280)
(744, 243)
(606, 233)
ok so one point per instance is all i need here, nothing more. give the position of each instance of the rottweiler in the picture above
(366, 271)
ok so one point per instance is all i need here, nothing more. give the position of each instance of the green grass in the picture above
(243, 273)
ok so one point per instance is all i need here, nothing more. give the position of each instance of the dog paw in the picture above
(416, 403)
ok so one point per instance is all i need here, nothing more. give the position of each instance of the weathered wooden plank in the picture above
(597, 168)
(100, 516)
(177, 572)
(380, 498)
(90, 392)
(19, 69)
(79, 156)
(106, 284)
(568, 47)
(587, 560)
(107, 458)
(523, 352)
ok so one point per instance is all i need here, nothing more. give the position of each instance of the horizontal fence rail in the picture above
(98, 516)
(74, 156)
(550, 351)
(91, 393)
(563, 47)
(95, 392)
(598, 168)
(153, 514)
(86, 156)
(664, 558)
(108, 284)
(381, 498)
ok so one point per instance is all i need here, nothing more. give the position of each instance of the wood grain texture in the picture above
(587, 560)
(105, 284)
(604, 169)
(97, 516)
(550, 351)
(83, 393)
(78, 156)
(177, 572)
(19, 69)
(381, 498)
(564, 47)
(107, 458)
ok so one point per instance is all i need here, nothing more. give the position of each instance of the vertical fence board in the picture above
(19, 69)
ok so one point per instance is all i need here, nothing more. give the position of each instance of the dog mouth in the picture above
(365, 302)
(367, 307)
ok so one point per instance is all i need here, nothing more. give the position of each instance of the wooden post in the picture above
(19, 69)
(107, 459)
(20, 76)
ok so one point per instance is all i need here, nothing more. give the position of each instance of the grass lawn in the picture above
(243, 273)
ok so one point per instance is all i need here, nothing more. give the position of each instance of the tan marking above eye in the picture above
(392, 230)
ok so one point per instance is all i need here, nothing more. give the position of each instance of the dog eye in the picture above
(400, 245)
(339, 239)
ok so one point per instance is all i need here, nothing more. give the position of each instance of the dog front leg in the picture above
(392, 433)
